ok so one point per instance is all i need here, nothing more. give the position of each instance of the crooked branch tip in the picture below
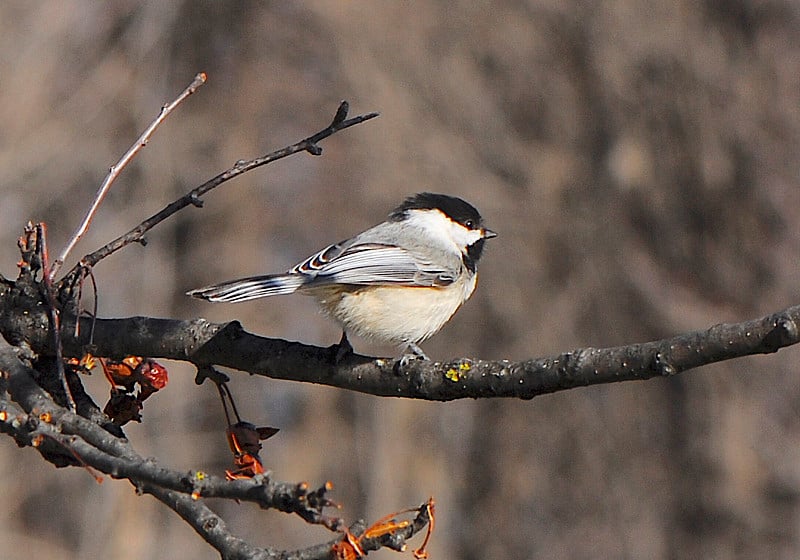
(341, 113)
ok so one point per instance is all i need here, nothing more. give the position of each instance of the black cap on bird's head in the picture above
(454, 208)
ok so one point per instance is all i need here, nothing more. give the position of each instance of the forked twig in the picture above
(192, 198)
(117, 168)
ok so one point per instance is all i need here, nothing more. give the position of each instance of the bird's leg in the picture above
(344, 348)
(413, 352)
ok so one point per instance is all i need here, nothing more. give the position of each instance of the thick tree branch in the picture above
(205, 343)
(32, 418)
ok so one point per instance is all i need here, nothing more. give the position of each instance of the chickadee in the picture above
(397, 282)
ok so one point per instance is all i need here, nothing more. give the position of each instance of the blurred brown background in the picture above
(639, 160)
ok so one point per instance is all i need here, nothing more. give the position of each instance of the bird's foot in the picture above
(413, 352)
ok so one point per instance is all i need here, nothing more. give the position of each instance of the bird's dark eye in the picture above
(470, 224)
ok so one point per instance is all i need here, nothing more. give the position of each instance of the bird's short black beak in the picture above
(488, 234)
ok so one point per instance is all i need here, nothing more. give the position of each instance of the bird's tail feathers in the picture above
(250, 288)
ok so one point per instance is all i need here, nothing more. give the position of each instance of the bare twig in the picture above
(117, 168)
(192, 198)
(210, 526)
(53, 313)
(79, 298)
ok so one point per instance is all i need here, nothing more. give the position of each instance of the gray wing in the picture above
(373, 264)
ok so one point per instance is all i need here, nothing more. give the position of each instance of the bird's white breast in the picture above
(394, 314)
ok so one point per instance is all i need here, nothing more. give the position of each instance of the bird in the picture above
(398, 282)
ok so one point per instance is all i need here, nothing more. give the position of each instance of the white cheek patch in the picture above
(442, 230)
(437, 225)
(462, 236)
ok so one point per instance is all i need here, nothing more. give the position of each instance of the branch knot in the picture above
(784, 332)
